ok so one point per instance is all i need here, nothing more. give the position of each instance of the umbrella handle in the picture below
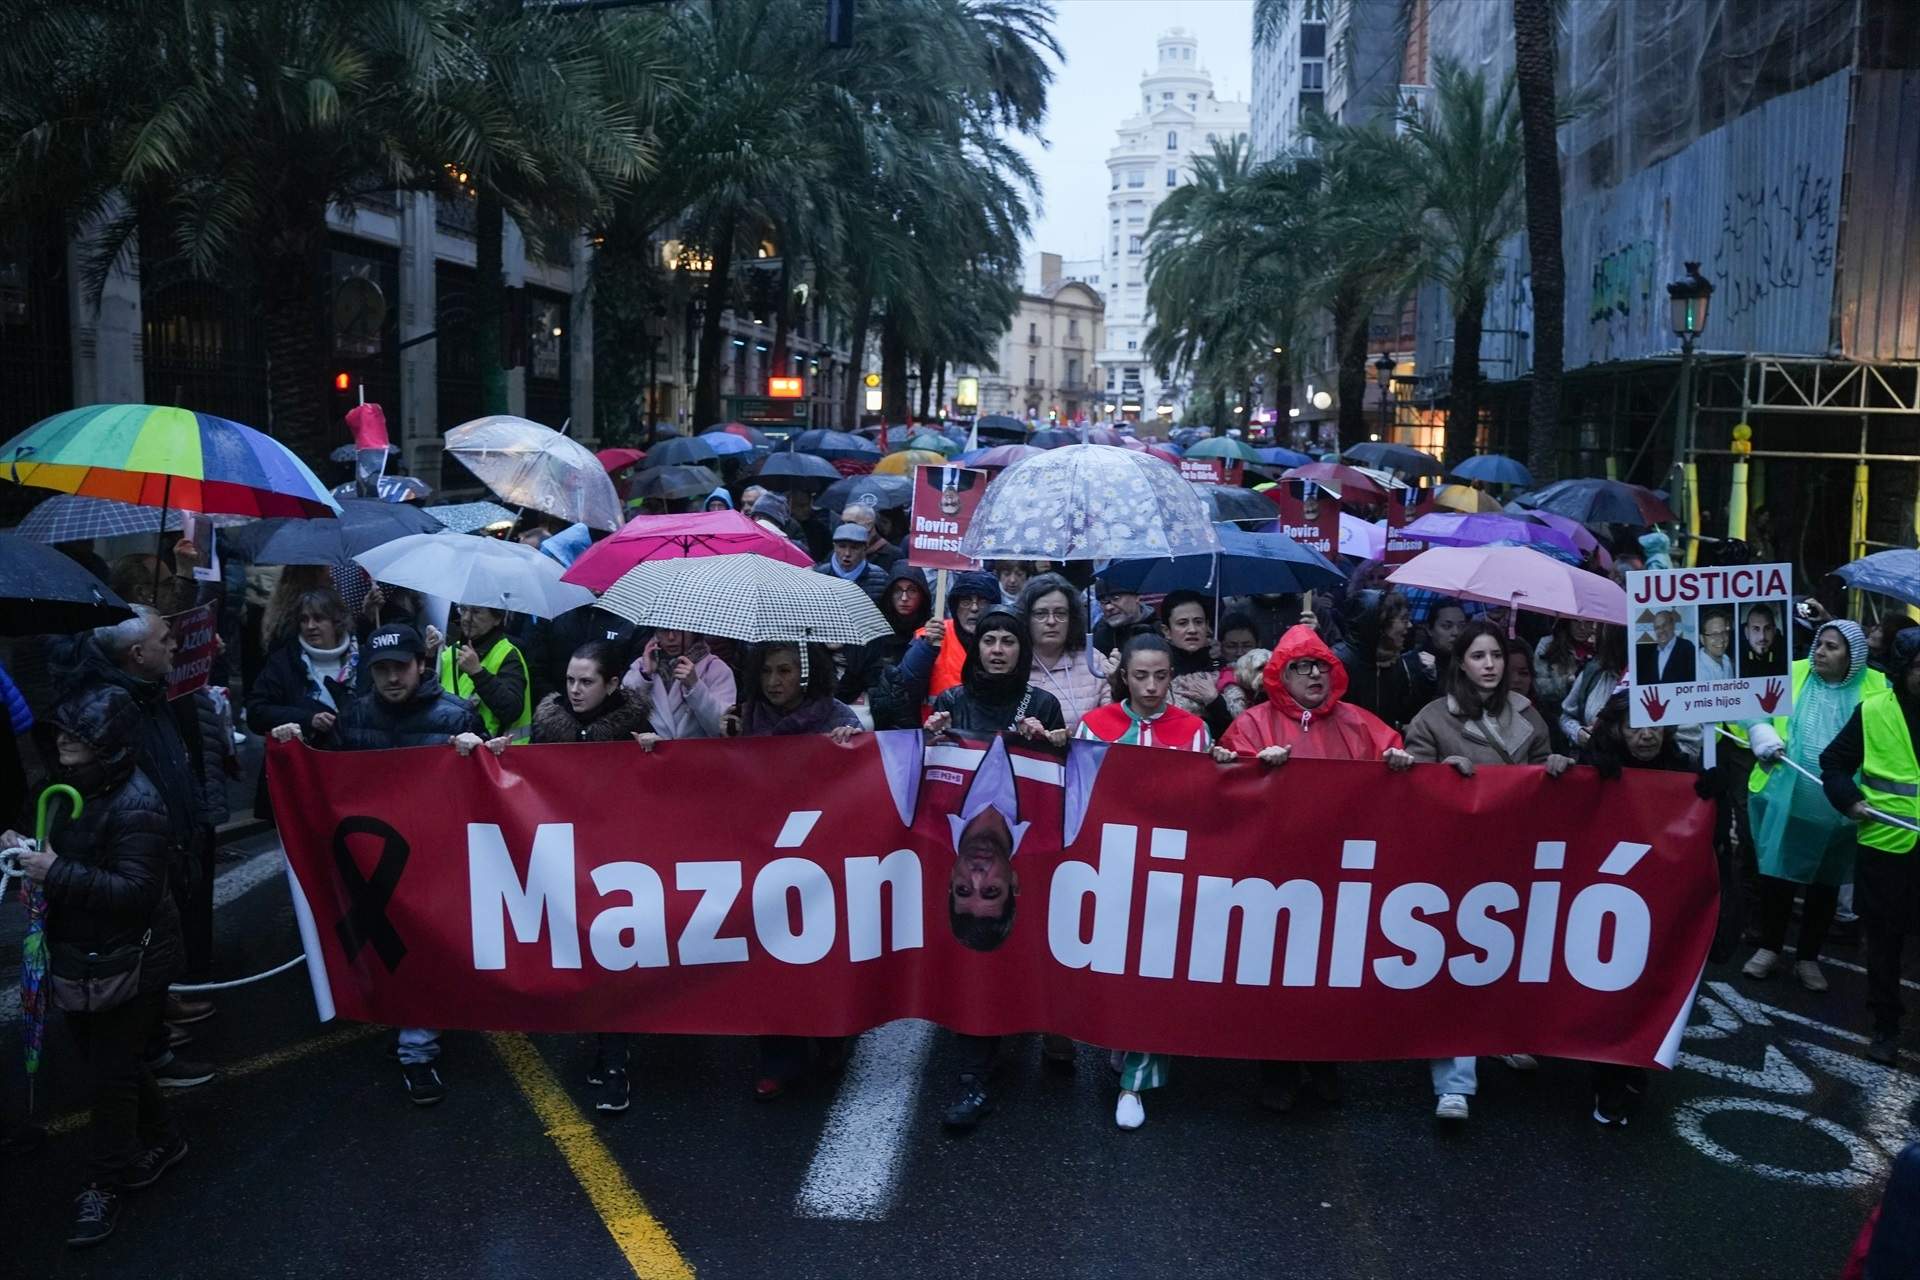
(41, 807)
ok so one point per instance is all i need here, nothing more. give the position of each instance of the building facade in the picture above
(1179, 118)
(1047, 371)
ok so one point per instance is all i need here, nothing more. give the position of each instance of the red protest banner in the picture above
(1400, 548)
(1205, 470)
(195, 636)
(1309, 514)
(944, 500)
(996, 890)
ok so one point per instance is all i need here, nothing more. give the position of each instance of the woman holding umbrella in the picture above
(790, 691)
(486, 670)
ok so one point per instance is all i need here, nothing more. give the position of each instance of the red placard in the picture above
(1211, 470)
(196, 637)
(1309, 514)
(1400, 548)
(1139, 906)
(944, 500)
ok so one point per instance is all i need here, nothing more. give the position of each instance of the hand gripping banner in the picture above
(1117, 895)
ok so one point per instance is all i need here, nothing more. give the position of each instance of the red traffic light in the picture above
(342, 382)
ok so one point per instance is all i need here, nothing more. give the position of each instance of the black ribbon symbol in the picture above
(366, 919)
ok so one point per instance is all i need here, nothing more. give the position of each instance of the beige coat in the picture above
(1516, 736)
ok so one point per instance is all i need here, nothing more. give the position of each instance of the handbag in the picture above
(95, 981)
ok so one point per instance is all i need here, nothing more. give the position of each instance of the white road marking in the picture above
(856, 1167)
(228, 885)
(1855, 968)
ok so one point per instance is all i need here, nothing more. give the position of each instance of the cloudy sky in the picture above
(1108, 45)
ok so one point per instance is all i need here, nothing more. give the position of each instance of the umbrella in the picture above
(903, 463)
(835, 444)
(1001, 424)
(1893, 573)
(1089, 502)
(999, 456)
(350, 453)
(1052, 438)
(33, 945)
(389, 489)
(1184, 436)
(1276, 456)
(1231, 502)
(535, 467)
(1594, 501)
(746, 597)
(1460, 497)
(43, 592)
(619, 459)
(683, 453)
(682, 537)
(1582, 537)
(882, 493)
(1405, 459)
(752, 435)
(1478, 530)
(1361, 538)
(470, 517)
(1516, 576)
(727, 445)
(480, 571)
(68, 517)
(1148, 446)
(1102, 435)
(1345, 482)
(783, 471)
(1223, 447)
(157, 456)
(1492, 468)
(676, 482)
(944, 445)
(364, 524)
(1246, 564)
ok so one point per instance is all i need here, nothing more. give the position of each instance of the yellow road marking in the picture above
(73, 1120)
(645, 1244)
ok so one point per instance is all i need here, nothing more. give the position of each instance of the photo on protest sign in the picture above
(1309, 514)
(1709, 645)
(195, 637)
(944, 500)
(1399, 547)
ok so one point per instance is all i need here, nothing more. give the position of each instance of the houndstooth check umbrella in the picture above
(70, 517)
(746, 597)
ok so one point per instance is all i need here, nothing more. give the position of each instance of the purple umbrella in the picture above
(1482, 528)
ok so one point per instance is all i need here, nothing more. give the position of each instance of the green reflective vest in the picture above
(460, 685)
(1757, 780)
(1889, 773)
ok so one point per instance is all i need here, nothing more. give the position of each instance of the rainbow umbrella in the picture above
(33, 947)
(158, 456)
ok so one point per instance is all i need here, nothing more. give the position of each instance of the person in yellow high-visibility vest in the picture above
(487, 671)
(1870, 767)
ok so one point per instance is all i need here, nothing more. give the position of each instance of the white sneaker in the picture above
(1452, 1106)
(1762, 965)
(1810, 976)
(1521, 1061)
(1131, 1113)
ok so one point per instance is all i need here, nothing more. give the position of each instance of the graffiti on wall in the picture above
(1622, 287)
(1773, 238)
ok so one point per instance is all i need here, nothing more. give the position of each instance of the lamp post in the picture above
(1687, 301)
(1383, 374)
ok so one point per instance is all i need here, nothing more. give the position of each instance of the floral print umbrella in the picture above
(1090, 502)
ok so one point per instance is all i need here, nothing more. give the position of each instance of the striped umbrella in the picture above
(159, 456)
(68, 517)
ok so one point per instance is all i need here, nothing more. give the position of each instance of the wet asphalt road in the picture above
(1758, 1158)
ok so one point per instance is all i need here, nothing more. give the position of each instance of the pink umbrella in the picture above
(1516, 576)
(1361, 538)
(678, 537)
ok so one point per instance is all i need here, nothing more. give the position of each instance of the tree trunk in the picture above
(293, 302)
(706, 387)
(940, 386)
(893, 371)
(1354, 426)
(857, 355)
(783, 319)
(1533, 56)
(926, 385)
(490, 301)
(1463, 397)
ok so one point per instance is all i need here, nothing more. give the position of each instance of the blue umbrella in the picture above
(1885, 573)
(1247, 564)
(683, 452)
(1276, 456)
(725, 444)
(836, 444)
(1493, 468)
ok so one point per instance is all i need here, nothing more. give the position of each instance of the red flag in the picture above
(368, 422)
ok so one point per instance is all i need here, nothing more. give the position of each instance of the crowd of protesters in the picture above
(1370, 674)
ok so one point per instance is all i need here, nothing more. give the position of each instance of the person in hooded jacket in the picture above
(906, 603)
(994, 695)
(932, 663)
(105, 875)
(1382, 677)
(685, 686)
(718, 500)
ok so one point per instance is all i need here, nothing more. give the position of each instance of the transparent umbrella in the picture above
(535, 467)
(1090, 502)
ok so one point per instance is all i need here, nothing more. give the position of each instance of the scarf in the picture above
(763, 720)
(846, 575)
(1200, 662)
(335, 664)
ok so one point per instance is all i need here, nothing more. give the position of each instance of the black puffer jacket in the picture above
(163, 752)
(428, 719)
(108, 885)
(615, 720)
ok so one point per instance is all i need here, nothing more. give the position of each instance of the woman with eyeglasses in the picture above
(1063, 665)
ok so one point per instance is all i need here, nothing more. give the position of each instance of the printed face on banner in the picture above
(944, 500)
(1709, 645)
(1308, 514)
(996, 801)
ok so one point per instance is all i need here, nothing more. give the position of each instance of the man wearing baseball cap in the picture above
(406, 708)
(849, 561)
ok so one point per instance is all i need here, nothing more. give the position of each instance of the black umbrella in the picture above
(1408, 461)
(783, 471)
(43, 592)
(1000, 424)
(679, 453)
(675, 482)
(835, 444)
(1230, 502)
(1594, 501)
(882, 493)
(364, 523)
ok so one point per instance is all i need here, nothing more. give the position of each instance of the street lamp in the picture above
(1383, 374)
(1687, 300)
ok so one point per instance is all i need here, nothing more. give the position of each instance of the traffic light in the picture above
(343, 381)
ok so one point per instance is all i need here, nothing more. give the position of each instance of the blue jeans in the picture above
(1455, 1075)
(417, 1044)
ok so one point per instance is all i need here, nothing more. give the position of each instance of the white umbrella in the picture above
(1090, 502)
(528, 465)
(477, 571)
(746, 597)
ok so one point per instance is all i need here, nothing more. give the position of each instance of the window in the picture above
(1133, 284)
(1136, 178)
(1133, 244)
(1116, 244)
(1146, 102)
(1132, 345)
(1173, 139)
(1032, 364)
(1116, 182)
(1131, 373)
(1313, 41)
(1313, 76)
(1033, 332)
(1073, 327)
(1167, 96)
(1173, 177)
(1210, 139)
(1073, 372)
(1193, 102)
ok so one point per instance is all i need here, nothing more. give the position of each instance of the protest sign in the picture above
(1309, 514)
(1399, 547)
(944, 499)
(195, 636)
(1709, 645)
(1210, 470)
(1113, 894)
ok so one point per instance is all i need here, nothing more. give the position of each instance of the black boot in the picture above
(970, 1107)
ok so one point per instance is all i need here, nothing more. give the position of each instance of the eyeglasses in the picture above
(1308, 667)
(1721, 634)
(1049, 615)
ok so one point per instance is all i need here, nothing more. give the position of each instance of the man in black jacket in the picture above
(407, 708)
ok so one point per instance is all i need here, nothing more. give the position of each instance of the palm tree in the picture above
(1533, 65)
